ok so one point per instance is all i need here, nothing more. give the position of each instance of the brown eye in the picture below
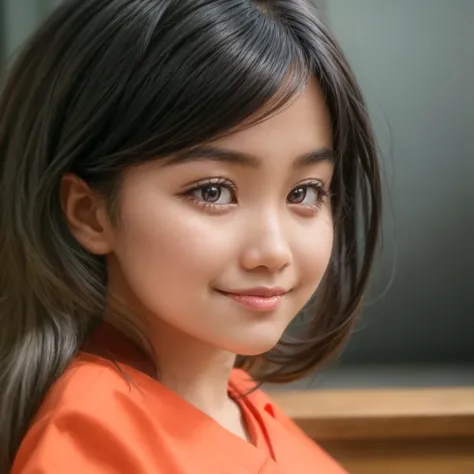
(211, 193)
(216, 194)
(308, 195)
(297, 195)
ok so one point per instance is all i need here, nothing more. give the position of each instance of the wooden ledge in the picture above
(330, 415)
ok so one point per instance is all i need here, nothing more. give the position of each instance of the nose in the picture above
(266, 246)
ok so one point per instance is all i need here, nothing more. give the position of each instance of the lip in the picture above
(260, 299)
(261, 291)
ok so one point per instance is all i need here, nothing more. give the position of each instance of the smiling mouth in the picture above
(257, 299)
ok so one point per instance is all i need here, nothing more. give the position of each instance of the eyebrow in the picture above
(223, 155)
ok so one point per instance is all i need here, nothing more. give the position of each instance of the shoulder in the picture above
(93, 372)
(88, 418)
(92, 386)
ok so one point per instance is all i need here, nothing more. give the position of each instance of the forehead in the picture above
(302, 125)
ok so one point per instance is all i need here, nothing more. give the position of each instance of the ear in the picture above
(86, 215)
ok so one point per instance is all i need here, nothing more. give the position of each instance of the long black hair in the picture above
(105, 85)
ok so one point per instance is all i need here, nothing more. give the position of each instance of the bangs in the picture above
(198, 76)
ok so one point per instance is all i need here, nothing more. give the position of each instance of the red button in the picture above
(269, 409)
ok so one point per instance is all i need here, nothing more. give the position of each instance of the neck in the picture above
(197, 372)
(200, 375)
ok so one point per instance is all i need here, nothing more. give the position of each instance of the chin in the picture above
(254, 353)
(254, 339)
(252, 346)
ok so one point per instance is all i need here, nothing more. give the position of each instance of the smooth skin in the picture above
(247, 211)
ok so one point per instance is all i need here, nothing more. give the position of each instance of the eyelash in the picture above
(322, 191)
(217, 182)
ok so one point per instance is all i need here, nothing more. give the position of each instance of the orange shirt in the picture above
(98, 419)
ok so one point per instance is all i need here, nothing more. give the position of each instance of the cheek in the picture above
(313, 253)
(163, 254)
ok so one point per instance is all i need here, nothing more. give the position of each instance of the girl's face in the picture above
(228, 244)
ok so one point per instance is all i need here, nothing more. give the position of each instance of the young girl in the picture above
(180, 179)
